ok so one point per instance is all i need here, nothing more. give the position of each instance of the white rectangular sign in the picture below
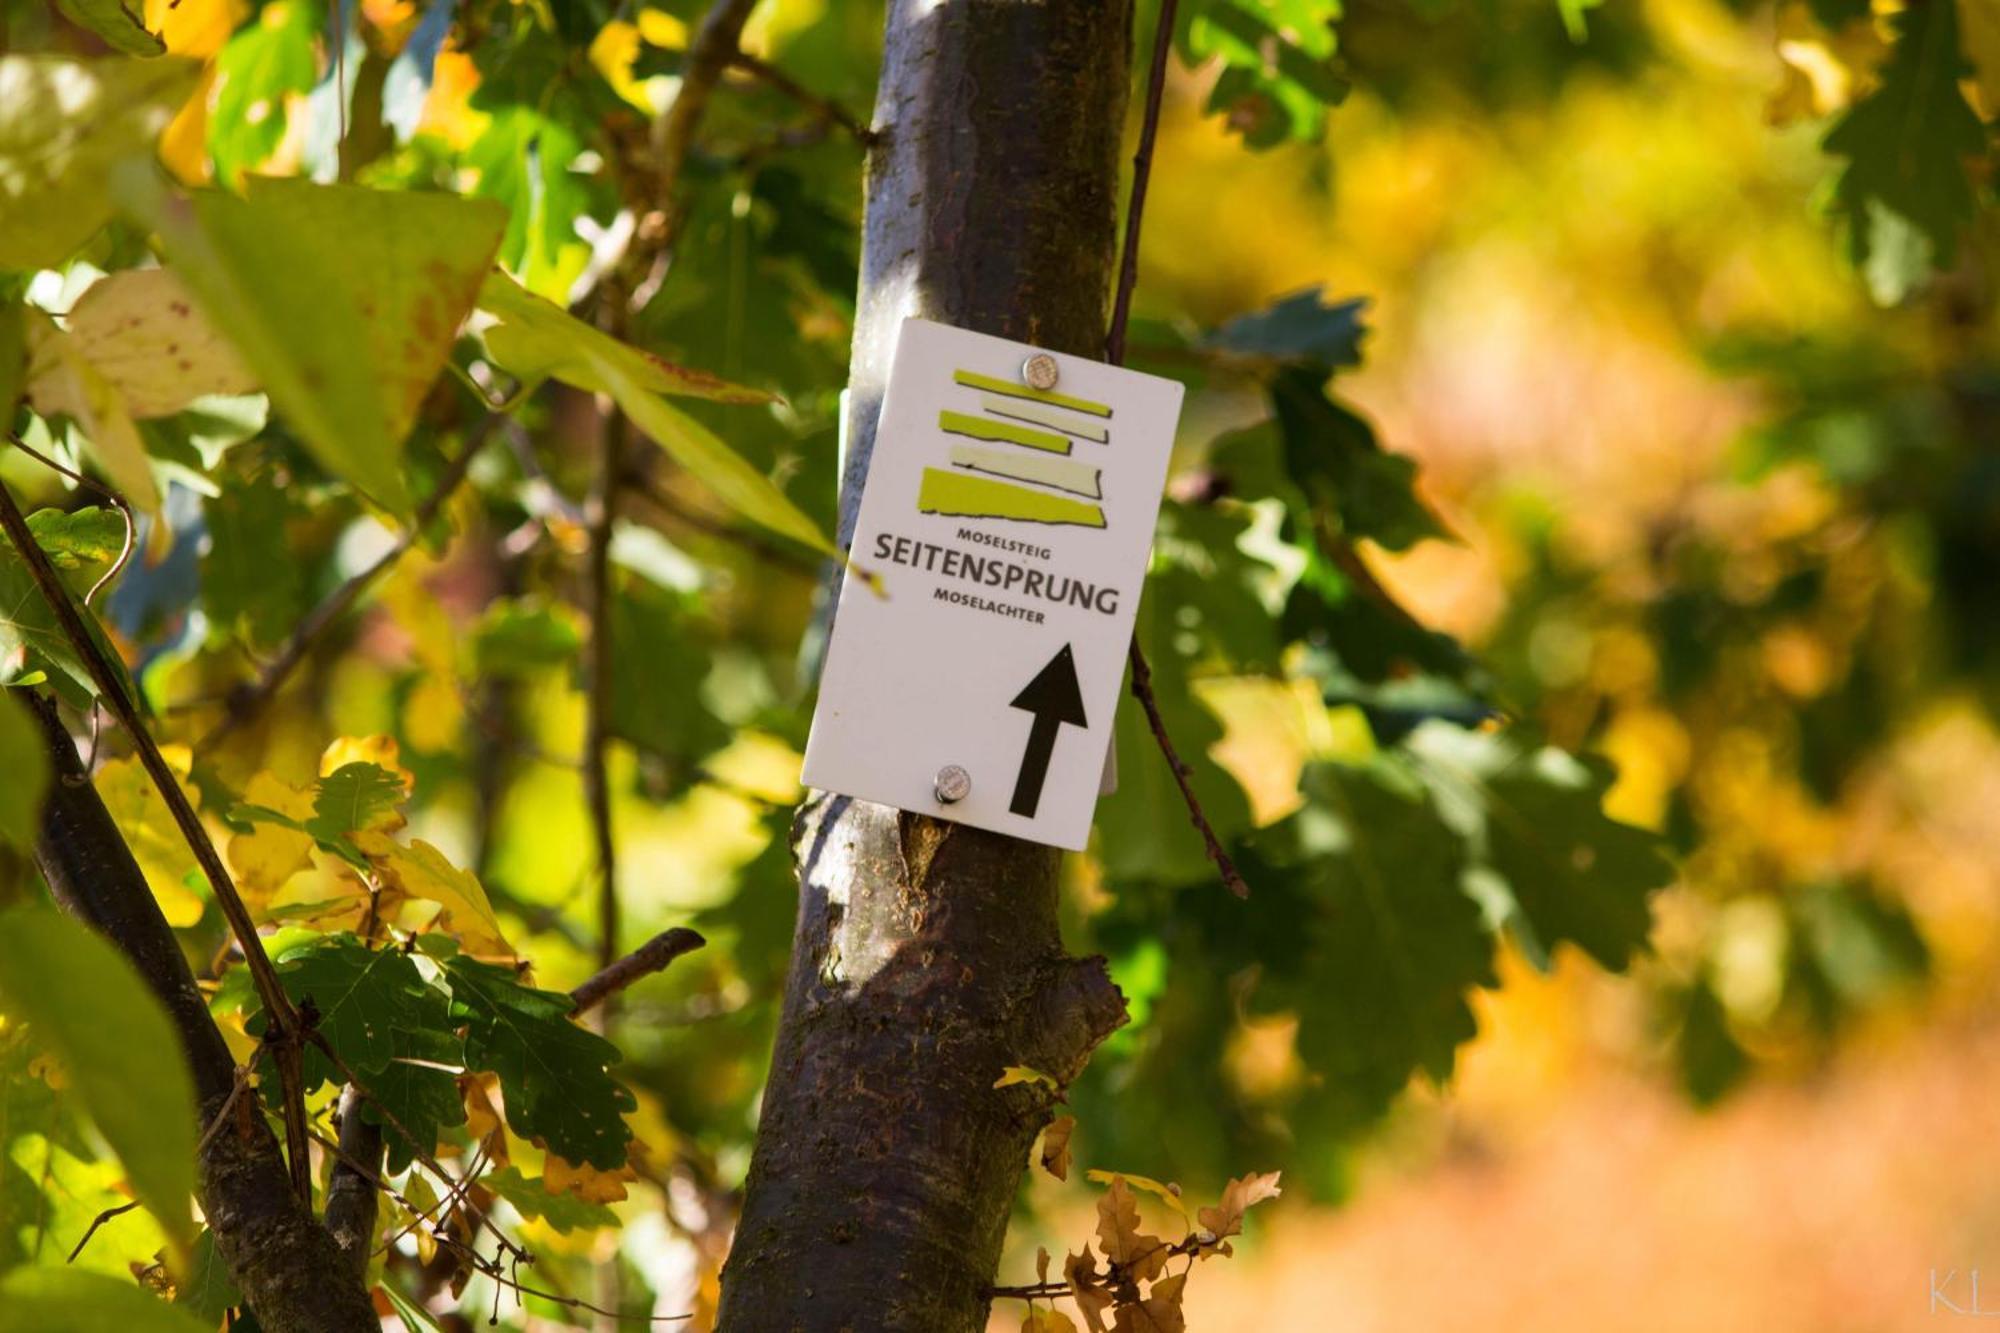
(1007, 529)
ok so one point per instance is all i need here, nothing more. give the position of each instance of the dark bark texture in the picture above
(927, 956)
(285, 1263)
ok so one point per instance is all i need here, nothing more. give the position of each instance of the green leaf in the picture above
(345, 301)
(89, 1008)
(25, 761)
(390, 1026)
(78, 538)
(1301, 327)
(352, 798)
(563, 1211)
(1333, 456)
(1279, 74)
(65, 126)
(535, 340)
(243, 589)
(117, 22)
(518, 636)
(1712, 1061)
(31, 642)
(1388, 945)
(523, 159)
(1908, 142)
(415, 1318)
(208, 1291)
(65, 1300)
(264, 63)
(1535, 818)
(554, 1075)
(658, 663)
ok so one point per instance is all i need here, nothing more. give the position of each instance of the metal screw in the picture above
(953, 784)
(1040, 371)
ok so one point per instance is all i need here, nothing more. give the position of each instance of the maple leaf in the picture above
(1239, 1196)
(1125, 1245)
(1159, 1312)
(1055, 1146)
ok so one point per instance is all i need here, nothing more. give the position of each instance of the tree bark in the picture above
(284, 1262)
(927, 956)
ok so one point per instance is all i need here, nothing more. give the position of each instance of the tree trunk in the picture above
(284, 1262)
(927, 957)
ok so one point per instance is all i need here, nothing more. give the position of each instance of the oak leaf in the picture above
(1125, 1245)
(1159, 1312)
(1080, 1271)
(1238, 1196)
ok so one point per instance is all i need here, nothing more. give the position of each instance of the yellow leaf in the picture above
(270, 854)
(61, 380)
(421, 871)
(1055, 1146)
(156, 842)
(1979, 35)
(433, 714)
(1047, 1321)
(560, 1176)
(198, 28)
(140, 330)
(1014, 1074)
(381, 751)
(184, 142)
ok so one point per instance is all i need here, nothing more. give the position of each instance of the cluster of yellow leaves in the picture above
(1133, 1284)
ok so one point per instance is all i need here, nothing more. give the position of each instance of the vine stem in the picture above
(111, 693)
(1114, 352)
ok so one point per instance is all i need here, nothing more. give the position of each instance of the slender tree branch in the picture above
(111, 693)
(598, 665)
(283, 1260)
(97, 1222)
(249, 699)
(652, 956)
(1114, 352)
(823, 107)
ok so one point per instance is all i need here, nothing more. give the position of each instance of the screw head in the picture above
(952, 785)
(1040, 371)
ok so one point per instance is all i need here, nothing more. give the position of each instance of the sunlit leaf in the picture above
(65, 126)
(119, 22)
(89, 1008)
(64, 1300)
(140, 331)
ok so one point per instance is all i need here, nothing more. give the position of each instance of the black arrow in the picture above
(1054, 697)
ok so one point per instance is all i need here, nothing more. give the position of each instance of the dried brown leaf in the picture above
(1118, 1227)
(1055, 1146)
(1080, 1271)
(1159, 1312)
(1238, 1197)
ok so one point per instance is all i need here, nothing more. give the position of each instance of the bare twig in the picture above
(111, 693)
(1114, 352)
(652, 956)
(97, 1222)
(598, 666)
(823, 107)
(1142, 690)
(250, 699)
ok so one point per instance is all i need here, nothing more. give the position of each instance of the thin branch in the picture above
(112, 694)
(823, 107)
(97, 1222)
(652, 956)
(117, 500)
(1114, 352)
(598, 664)
(1142, 690)
(248, 700)
(1142, 170)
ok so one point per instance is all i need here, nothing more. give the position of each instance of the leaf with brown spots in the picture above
(140, 331)
(344, 301)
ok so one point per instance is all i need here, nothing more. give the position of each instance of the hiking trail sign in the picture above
(1004, 527)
